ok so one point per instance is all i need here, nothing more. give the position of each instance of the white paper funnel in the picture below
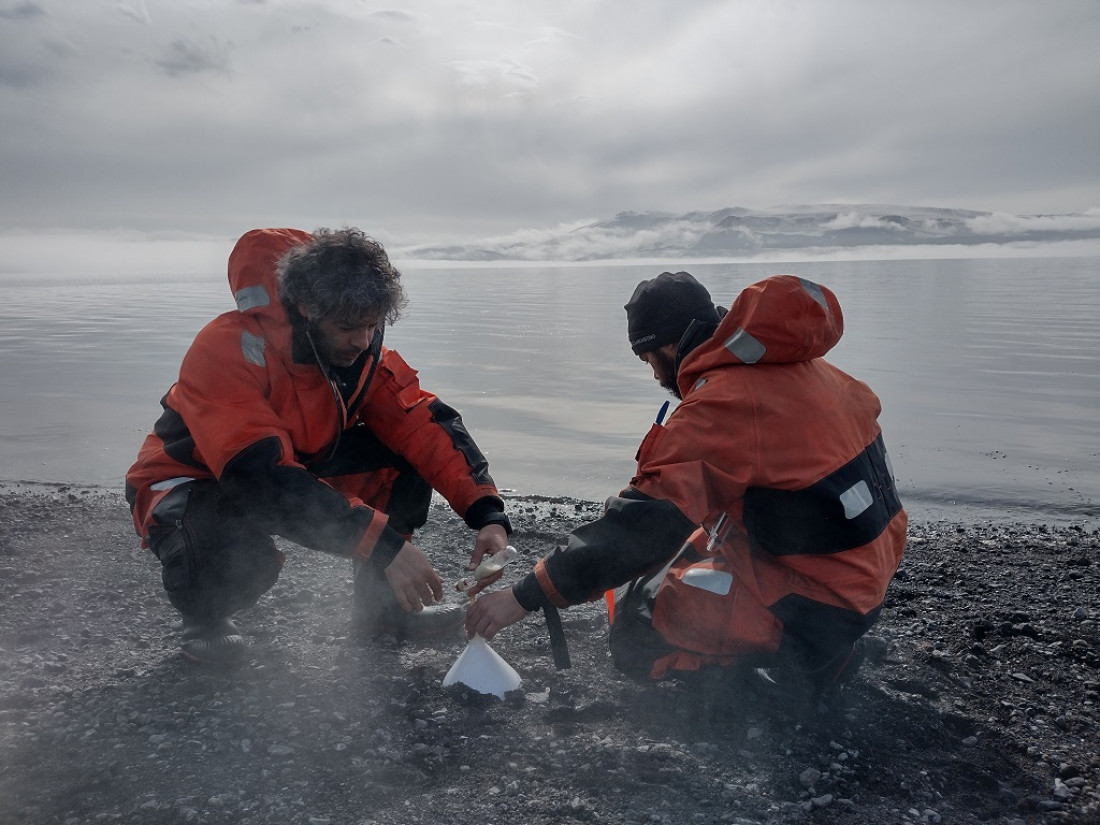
(480, 667)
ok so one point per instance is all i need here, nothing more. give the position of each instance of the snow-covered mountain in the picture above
(738, 232)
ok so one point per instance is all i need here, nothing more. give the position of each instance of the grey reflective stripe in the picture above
(252, 346)
(251, 297)
(856, 499)
(169, 483)
(699, 383)
(815, 293)
(745, 347)
(707, 578)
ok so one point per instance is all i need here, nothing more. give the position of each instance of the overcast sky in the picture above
(431, 121)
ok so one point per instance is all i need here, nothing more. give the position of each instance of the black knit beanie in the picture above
(661, 309)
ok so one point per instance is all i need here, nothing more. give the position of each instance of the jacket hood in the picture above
(252, 276)
(780, 320)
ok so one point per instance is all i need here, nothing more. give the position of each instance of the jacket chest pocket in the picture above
(314, 420)
(649, 444)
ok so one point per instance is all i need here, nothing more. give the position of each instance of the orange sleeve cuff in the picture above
(371, 536)
(547, 585)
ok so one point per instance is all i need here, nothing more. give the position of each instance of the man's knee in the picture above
(177, 569)
(252, 566)
(210, 568)
(410, 499)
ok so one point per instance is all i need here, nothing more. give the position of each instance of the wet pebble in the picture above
(809, 777)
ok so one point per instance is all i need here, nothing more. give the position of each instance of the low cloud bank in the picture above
(784, 233)
(745, 233)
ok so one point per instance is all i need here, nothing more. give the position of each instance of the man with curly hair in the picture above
(290, 418)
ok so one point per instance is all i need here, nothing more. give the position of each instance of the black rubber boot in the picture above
(377, 613)
(841, 670)
(798, 684)
(215, 642)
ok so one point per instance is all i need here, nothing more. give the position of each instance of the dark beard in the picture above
(666, 374)
(322, 348)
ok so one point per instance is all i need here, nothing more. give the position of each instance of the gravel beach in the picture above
(981, 705)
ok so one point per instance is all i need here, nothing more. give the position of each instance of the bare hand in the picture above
(491, 539)
(413, 579)
(491, 613)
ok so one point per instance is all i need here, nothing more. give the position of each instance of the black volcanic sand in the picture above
(982, 707)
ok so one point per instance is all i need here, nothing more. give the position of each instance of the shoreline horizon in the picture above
(975, 513)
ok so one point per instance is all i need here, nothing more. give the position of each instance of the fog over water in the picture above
(988, 371)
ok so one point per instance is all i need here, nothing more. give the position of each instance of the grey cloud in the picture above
(540, 116)
(396, 15)
(505, 75)
(27, 59)
(22, 11)
(18, 75)
(553, 35)
(187, 57)
(137, 13)
(59, 47)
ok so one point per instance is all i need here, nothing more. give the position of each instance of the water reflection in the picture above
(989, 371)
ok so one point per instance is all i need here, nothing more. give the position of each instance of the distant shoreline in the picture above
(133, 257)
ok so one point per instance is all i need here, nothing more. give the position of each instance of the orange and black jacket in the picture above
(773, 464)
(252, 408)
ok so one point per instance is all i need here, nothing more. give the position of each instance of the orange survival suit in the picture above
(763, 515)
(253, 409)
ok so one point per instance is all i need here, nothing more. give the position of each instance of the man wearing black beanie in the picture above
(762, 525)
(661, 312)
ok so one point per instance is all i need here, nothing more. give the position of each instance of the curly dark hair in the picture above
(342, 275)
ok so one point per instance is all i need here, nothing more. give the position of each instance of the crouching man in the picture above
(763, 525)
(291, 418)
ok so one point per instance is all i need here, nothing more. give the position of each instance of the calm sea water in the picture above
(988, 370)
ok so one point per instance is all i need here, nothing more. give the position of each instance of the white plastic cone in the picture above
(480, 667)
